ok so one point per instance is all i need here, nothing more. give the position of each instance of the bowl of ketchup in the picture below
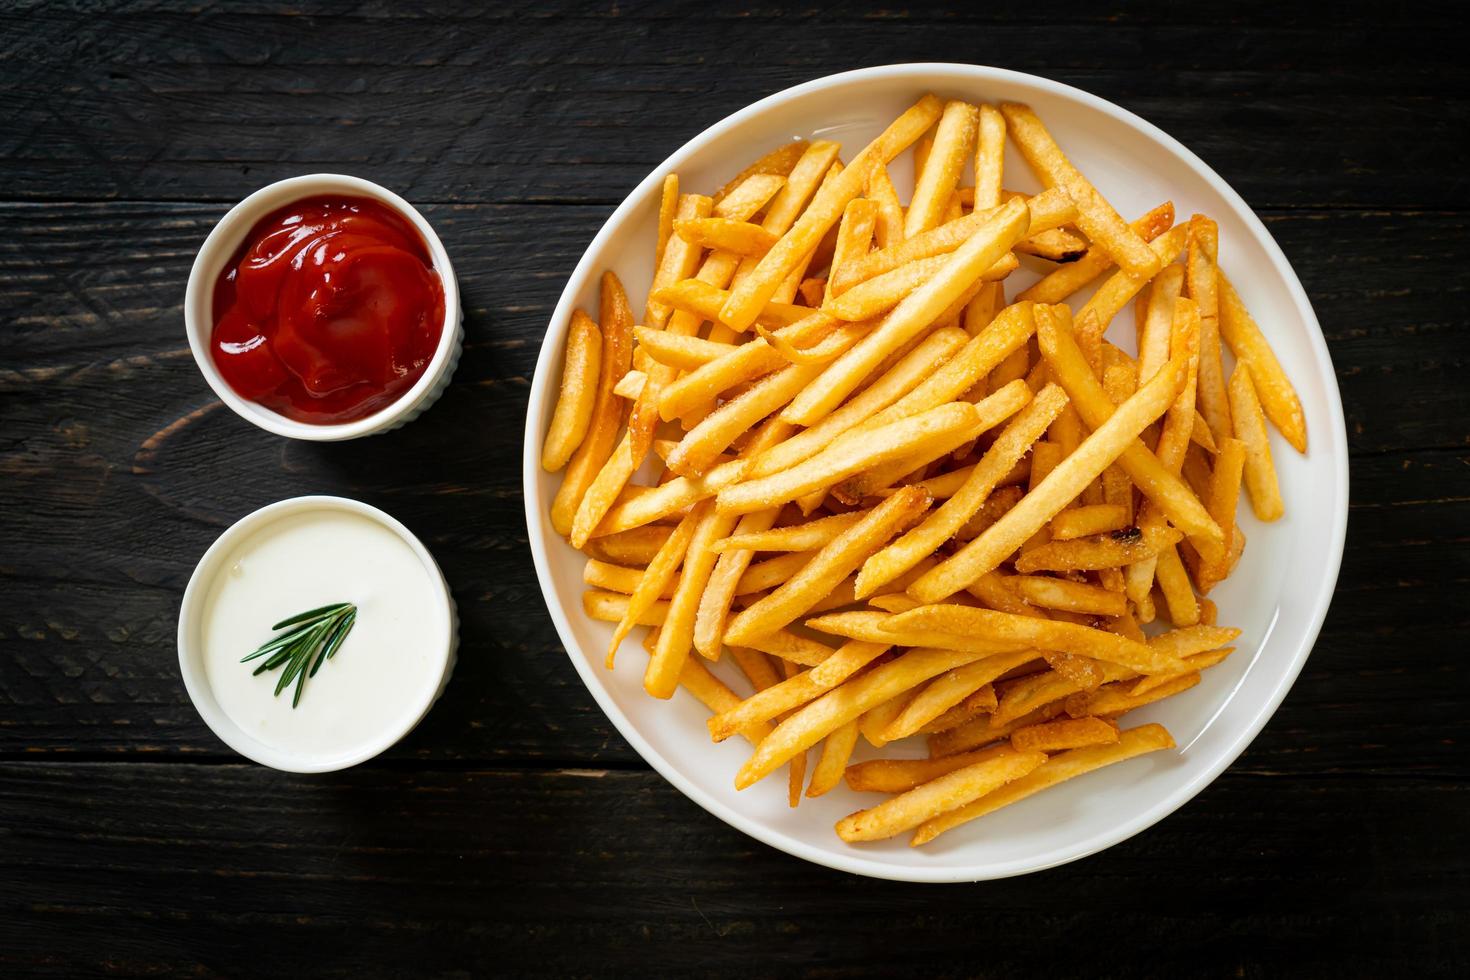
(324, 307)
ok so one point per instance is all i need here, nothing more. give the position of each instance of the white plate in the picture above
(1278, 595)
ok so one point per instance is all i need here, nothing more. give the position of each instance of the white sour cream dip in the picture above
(384, 674)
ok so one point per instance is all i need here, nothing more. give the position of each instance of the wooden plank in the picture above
(208, 870)
(160, 102)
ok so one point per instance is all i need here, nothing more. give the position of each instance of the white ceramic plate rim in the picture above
(857, 862)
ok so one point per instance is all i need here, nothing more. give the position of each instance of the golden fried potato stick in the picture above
(1221, 498)
(940, 526)
(1201, 255)
(668, 206)
(1122, 286)
(579, 374)
(1158, 323)
(1108, 442)
(1057, 769)
(881, 192)
(806, 536)
(615, 578)
(1248, 343)
(779, 162)
(990, 151)
(678, 261)
(989, 413)
(1087, 520)
(868, 624)
(834, 562)
(950, 688)
(1250, 428)
(676, 351)
(740, 237)
(657, 577)
(612, 606)
(635, 546)
(846, 703)
(953, 139)
(607, 414)
(1177, 589)
(750, 295)
(1044, 634)
(772, 572)
(1095, 216)
(790, 648)
(1066, 366)
(795, 691)
(1117, 698)
(1074, 597)
(902, 775)
(748, 197)
(1112, 550)
(1059, 284)
(1069, 733)
(854, 236)
(836, 750)
(1048, 210)
(1192, 665)
(948, 792)
(714, 695)
(677, 636)
(848, 455)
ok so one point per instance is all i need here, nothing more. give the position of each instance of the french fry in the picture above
(1048, 211)
(607, 412)
(748, 196)
(1122, 286)
(916, 311)
(639, 506)
(989, 413)
(790, 647)
(836, 750)
(948, 792)
(770, 573)
(848, 455)
(1069, 368)
(1250, 428)
(698, 450)
(834, 562)
(635, 546)
(1070, 733)
(1112, 550)
(751, 295)
(673, 350)
(989, 158)
(1248, 344)
(875, 721)
(978, 732)
(1221, 498)
(949, 689)
(954, 138)
(1194, 664)
(1107, 443)
(779, 162)
(902, 775)
(656, 577)
(854, 235)
(795, 691)
(889, 230)
(1189, 641)
(613, 606)
(677, 262)
(1095, 216)
(1158, 323)
(941, 525)
(1059, 284)
(714, 695)
(668, 206)
(1039, 633)
(806, 536)
(615, 578)
(865, 624)
(1117, 698)
(1057, 769)
(1081, 522)
(676, 638)
(740, 237)
(817, 719)
(1077, 597)
(579, 388)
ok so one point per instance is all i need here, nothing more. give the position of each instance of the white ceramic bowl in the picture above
(1278, 595)
(225, 239)
(444, 623)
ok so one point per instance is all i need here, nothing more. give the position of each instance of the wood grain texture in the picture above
(562, 872)
(515, 832)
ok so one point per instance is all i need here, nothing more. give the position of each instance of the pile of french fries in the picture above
(902, 505)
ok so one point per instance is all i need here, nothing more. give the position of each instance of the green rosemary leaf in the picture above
(314, 638)
(319, 611)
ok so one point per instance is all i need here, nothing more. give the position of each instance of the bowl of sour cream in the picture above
(304, 555)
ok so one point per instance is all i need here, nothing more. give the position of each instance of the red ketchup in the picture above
(330, 310)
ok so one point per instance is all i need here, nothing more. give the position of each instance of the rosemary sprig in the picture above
(313, 638)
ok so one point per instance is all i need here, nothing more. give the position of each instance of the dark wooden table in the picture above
(515, 831)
